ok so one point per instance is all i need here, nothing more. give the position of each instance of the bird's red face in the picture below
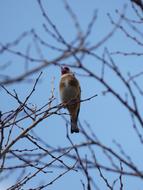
(65, 70)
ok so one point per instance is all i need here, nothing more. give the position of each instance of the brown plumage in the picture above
(70, 96)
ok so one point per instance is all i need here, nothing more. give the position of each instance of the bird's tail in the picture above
(74, 127)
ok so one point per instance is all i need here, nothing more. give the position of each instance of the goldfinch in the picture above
(70, 96)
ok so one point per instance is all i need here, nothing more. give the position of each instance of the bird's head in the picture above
(65, 70)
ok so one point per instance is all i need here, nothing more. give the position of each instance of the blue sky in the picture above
(105, 114)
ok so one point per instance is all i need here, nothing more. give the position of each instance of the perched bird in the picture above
(70, 96)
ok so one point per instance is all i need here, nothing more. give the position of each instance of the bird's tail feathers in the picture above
(74, 127)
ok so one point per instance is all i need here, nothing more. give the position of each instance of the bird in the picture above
(70, 94)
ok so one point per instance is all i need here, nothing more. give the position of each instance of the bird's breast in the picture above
(68, 91)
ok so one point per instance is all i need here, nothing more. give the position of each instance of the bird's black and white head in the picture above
(65, 70)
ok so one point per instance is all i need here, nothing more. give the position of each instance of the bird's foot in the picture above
(73, 101)
(64, 104)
